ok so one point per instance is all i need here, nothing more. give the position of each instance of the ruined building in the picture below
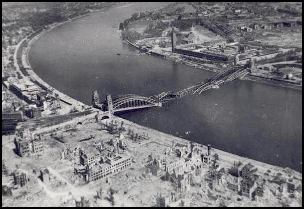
(19, 178)
(89, 155)
(99, 160)
(111, 165)
(4, 168)
(82, 203)
(153, 167)
(160, 201)
(44, 175)
(242, 179)
(206, 158)
(28, 144)
(6, 190)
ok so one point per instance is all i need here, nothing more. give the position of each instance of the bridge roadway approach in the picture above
(134, 102)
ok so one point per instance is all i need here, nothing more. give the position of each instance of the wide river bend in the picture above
(250, 119)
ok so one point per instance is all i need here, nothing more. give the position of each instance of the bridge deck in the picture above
(134, 108)
(133, 102)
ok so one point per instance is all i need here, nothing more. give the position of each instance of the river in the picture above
(250, 119)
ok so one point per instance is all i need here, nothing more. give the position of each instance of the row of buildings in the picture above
(10, 121)
(179, 158)
(182, 166)
(29, 138)
(34, 95)
(248, 54)
(268, 25)
(35, 103)
(111, 165)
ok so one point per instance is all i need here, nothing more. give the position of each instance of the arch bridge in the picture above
(133, 102)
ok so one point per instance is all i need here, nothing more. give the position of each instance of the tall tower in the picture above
(173, 39)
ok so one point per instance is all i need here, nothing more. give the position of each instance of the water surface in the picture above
(250, 119)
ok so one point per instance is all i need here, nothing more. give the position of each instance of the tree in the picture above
(222, 203)
(130, 35)
(121, 26)
(160, 201)
(111, 196)
(99, 193)
(216, 157)
(182, 203)
(166, 177)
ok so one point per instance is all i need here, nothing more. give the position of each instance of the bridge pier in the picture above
(96, 100)
(110, 105)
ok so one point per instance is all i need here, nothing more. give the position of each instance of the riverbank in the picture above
(254, 78)
(63, 97)
(272, 82)
(31, 73)
(131, 183)
(225, 157)
(168, 139)
(35, 78)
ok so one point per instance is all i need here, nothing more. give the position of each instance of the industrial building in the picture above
(201, 53)
(204, 54)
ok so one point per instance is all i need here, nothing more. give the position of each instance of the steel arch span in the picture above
(133, 102)
(130, 102)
